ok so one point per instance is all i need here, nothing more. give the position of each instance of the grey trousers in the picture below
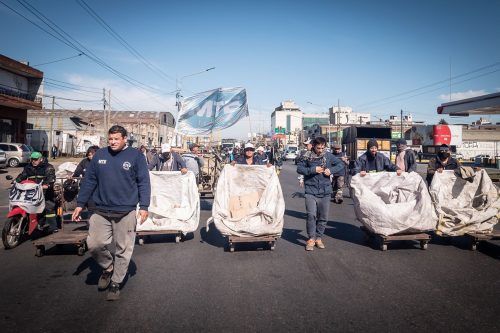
(102, 232)
(317, 209)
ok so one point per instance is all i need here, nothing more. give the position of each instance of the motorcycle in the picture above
(19, 222)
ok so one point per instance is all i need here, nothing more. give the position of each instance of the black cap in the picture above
(372, 143)
(444, 147)
(401, 142)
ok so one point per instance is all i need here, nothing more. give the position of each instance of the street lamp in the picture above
(178, 85)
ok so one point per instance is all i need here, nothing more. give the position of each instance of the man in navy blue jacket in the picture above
(317, 165)
(117, 179)
(372, 161)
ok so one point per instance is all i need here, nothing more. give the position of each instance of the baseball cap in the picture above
(35, 155)
(249, 146)
(165, 148)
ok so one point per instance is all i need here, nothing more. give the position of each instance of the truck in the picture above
(355, 139)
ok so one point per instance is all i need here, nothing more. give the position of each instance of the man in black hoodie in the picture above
(117, 178)
(372, 161)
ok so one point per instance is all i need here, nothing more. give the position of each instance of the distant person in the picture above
(54, 152)
(194, 160)
(420, 154)
(152, 160)
(302, 153)
(372, 161)
(172, 161)
(83, 165)
(339, 176)
(117, 179)
(261, 154)
(248, 157)
(405, 157)
(317, 167)
(442, 161)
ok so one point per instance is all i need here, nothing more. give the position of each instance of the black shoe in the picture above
(104, 280)
(113, 292)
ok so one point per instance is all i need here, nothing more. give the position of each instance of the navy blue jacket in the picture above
(318, 184)
(178, 163)
(381, 163)
(117, 181)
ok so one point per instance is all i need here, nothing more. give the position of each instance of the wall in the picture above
(469, 149)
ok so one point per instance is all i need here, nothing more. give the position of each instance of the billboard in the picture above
(436, 135)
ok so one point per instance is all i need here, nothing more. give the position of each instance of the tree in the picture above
(443, 122)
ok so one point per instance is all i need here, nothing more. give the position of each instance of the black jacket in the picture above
(44, 174)
(380, 163)
(435, 163)
(81, 168)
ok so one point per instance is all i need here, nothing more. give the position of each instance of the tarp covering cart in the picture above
(389, 205)
(465, 205)
(174, 207)
(249, 204)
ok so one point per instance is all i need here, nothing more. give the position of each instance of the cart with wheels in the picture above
(383, 241)
(270, 240)
(141, 235)
(476, 238)
(71, 232)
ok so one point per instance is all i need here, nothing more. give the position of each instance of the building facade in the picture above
(20, 86)
(286, 119)
(343, 115)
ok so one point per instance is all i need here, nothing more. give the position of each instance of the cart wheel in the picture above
(81, 250)
(423, 245)
(272, 245)
(177, 238)
(40, 251)
(141, 241)
(473, 246)
(231, 247)
(383, 247)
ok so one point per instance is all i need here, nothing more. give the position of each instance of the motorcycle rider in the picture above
(42, 172)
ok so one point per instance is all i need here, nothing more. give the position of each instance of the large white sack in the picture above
(27, 196)
(175, 202)
(388, 204)
(66, 169)
(463, 206)
(266, 218)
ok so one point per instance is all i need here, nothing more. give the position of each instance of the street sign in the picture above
(395, 135)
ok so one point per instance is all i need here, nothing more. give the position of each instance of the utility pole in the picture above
(338, 120)
(109, 109)
(50, 139)
(104, 111)
(401, 136)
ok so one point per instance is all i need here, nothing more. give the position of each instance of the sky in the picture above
(377, 57)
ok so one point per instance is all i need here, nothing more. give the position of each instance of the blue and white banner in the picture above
(212, 110)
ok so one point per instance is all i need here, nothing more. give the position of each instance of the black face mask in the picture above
(166, 156)
(443, 155)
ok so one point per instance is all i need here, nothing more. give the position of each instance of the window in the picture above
(25, 148)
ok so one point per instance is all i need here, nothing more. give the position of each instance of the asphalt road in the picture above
(197, 286)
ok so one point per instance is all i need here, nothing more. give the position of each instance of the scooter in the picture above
(19, 223)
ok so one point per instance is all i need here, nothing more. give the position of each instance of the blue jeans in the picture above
(317, 209)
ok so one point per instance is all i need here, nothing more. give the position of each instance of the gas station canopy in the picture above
(480, 105)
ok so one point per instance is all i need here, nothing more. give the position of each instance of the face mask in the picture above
(443, 155)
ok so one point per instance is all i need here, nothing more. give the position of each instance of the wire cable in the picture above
(59, 60)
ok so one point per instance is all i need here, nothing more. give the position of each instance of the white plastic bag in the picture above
(175, 202)
(66, 169)
(248, 182)
(464, 206)
(27, 196)
(388, 204)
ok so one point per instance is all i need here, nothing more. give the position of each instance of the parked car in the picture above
(290, 155)
(3, 159)
(17, 153)
(458, 156)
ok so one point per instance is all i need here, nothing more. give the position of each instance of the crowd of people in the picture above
(115, 180)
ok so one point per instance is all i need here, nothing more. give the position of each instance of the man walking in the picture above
(317, 166)
(194, 162)
(117, 179)
(172, 161)
(338, 177)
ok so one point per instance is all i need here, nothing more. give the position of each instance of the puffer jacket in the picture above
(318, 184)
(382, 163)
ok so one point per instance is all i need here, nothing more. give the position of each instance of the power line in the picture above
(122, 41)
(69, 88)
(429, 91)
(73, 84)
(429, 85)
(59, 60)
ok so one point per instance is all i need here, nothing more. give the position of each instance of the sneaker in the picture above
(339, 200)
(319, 244)
(104, 280)
(310, 245)
(113, 292)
